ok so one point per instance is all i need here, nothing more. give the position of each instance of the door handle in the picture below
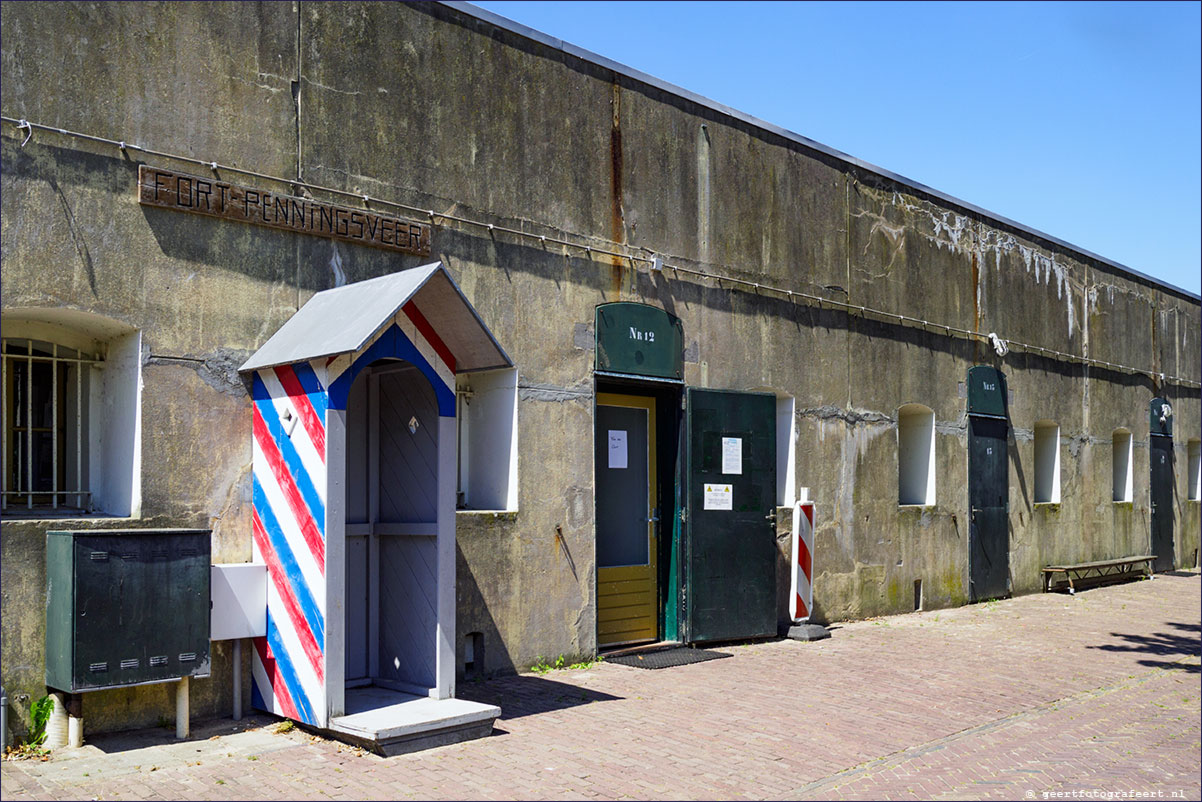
(654, 519)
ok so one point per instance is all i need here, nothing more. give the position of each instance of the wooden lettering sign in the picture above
(189, 193)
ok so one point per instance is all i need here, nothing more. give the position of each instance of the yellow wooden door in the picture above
(627, 590)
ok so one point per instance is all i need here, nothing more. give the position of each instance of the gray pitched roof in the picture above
(342, 320)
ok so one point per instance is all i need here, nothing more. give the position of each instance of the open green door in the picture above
(729, 544)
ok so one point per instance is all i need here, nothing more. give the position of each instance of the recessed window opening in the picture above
(46, 387)
(1047, 462)
(915, 455)
(473, 655)
(71, 414)
(1121, 459)
(1194, 452)
(487, 411)
(786, 451)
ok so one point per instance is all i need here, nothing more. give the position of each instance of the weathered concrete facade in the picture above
(437, 109)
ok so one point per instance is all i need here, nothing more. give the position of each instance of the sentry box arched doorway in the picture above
(354, 509)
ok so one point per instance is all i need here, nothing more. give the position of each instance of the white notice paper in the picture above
(732, 455)
(718, 497)
(617, 448)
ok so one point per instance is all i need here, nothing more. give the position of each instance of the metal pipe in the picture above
(590, 249)
(79, 435)
(54, 427)
(3, 718)
(74, 730)
(29, 426)
(4, 429)
(237, 679)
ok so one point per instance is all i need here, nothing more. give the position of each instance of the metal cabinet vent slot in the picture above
(187, 657)
(98, 667)
(99, 556)
(159, 660)
(133, 662)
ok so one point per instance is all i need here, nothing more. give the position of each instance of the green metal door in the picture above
(729, 577)
(988, 485)
(1162, 500)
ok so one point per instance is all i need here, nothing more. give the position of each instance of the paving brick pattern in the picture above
(1042, 697)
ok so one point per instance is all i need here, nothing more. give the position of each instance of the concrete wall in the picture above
(425, 106)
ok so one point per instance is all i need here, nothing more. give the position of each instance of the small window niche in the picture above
(786, 451)
(1047, 462)
(1194, 451)
(915, 455)
(1121, 460)
(487, 423)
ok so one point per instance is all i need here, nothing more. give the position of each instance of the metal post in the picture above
(54, 426)
(182, 725)
(237, 679)
(75, 720)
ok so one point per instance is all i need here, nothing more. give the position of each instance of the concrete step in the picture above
(391, 722)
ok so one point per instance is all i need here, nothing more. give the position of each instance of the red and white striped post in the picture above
(802, 588)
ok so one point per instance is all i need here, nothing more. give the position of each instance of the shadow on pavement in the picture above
(1184, 643)
(153, 737)
(525, 695)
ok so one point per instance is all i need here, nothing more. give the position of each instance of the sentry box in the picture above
(354, 506)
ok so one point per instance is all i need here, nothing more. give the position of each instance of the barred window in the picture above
(45, 453)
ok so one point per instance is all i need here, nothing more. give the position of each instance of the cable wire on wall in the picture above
(653, 261)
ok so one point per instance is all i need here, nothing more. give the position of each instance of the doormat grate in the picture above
(666, 658)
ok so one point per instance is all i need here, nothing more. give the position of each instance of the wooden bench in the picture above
(1099, 569)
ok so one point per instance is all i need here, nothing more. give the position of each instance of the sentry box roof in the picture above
(344, 319)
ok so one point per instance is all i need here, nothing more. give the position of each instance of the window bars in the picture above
(44, 455)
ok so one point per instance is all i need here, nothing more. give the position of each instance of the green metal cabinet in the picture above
(126, 607)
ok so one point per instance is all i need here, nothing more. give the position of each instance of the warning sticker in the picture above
(718, 497)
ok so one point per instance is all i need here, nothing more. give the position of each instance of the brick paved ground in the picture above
(1026, 698)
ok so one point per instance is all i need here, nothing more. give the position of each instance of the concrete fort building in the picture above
(481, 348)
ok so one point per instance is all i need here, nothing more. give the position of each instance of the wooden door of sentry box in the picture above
(729, 578)
(625, 467)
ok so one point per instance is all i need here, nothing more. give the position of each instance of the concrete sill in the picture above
(26, 517)
(1048, 506)
(502, 515)
(1128, 504)
(917, 506)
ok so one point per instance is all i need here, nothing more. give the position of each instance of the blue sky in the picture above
(1081, 120)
